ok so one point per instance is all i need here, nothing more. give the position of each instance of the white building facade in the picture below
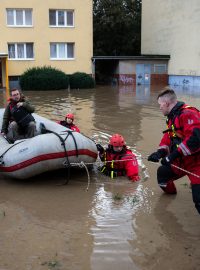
(172, 28)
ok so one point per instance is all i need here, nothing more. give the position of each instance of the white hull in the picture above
(45, 152)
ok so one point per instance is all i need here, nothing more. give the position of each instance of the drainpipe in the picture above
(7, 83)
(93, 69)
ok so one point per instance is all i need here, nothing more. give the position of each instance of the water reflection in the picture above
(193, 91)
(131, 95)
(114, 209)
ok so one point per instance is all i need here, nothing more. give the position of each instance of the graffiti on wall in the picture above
(126, 79)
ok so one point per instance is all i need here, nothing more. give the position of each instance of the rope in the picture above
(67, 159)
(181, 169)
(175, 166)
(13, 145)
(67, 163)
(98, 162)
(82, 164)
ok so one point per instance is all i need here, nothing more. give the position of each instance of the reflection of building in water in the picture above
(170, 27)
(116, 111)
(188, 90)
(129, 95)
(142, 94)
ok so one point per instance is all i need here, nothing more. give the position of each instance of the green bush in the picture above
(43, 78)
(80, 80)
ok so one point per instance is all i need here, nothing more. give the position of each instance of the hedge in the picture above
(80, 80)
(43, 78)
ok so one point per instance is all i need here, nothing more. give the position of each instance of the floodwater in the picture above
(116, 224)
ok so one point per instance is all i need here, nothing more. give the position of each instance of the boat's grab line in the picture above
(1, 157)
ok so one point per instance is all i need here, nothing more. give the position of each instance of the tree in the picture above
(117, 27)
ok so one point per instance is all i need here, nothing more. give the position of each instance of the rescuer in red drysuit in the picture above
(179, 146)
(68, 122)
(118, 160)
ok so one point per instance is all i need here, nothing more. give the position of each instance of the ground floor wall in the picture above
(130, 79)
(181, 80)
(139, 72)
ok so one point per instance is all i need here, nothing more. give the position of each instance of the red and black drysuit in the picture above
(181, 144)
(119, 163)
(70, 126)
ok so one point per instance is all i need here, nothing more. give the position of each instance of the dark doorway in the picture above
(104, 70)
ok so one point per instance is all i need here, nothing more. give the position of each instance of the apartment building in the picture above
(52, 33)
(172, 28)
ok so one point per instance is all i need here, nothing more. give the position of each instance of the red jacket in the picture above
(123, 163)
(70, 126)
(183, 134)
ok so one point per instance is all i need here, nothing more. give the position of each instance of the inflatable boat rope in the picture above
(66, 164)
(1, 157)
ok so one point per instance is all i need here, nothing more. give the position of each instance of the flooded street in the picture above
(116, 224)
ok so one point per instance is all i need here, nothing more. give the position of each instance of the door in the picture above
(143, 74)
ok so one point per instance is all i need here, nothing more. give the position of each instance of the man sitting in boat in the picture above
(118, 160)
(68, 122)
(18, 122)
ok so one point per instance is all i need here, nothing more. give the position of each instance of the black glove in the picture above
(107, 172)
(166, 161)
(156, 156)
(100, 148)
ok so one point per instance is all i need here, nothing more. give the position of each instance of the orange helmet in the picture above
(117, 140)
(70, 116)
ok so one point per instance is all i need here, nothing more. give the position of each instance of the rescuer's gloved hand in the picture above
(166, 161)
(107, 172)
(104, 170)
(100, 148)
(156, 156)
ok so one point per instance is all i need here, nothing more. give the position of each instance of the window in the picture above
(61, 18)
(62, 51)
(19, 17)
(20, 51)
(160, 68)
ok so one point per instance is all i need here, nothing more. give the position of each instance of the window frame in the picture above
(14, 10)
(65, 18)
(16, 58)
(160, 65)
(66, 58)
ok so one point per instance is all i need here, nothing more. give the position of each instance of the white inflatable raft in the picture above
(45, 152)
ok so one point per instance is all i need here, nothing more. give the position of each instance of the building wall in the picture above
(127, 74)
(172, 28)
(41, 34)
(129, 66)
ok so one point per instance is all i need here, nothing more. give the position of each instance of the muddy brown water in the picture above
(116, 224)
